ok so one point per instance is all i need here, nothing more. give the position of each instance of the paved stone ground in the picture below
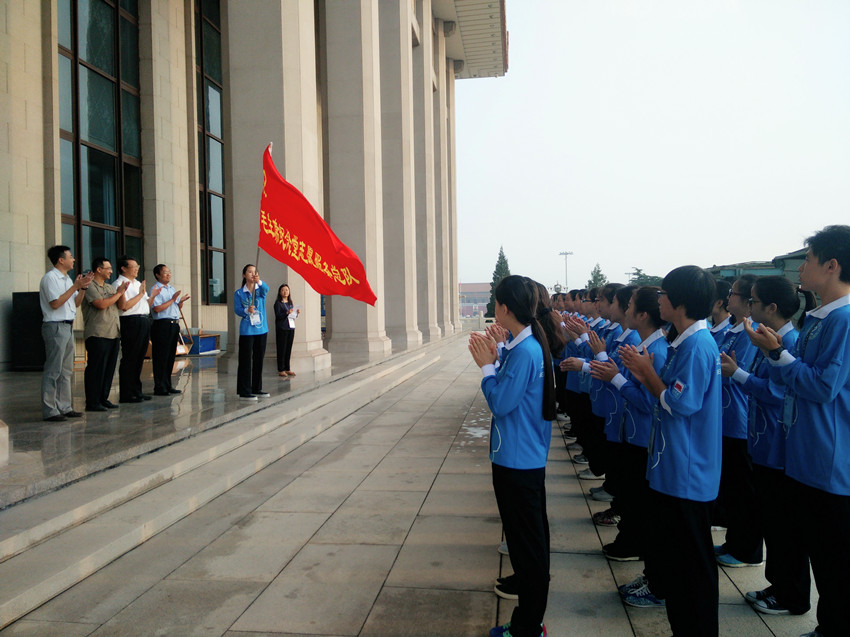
(384, 525)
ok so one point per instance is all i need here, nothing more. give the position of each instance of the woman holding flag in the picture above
(249, 303)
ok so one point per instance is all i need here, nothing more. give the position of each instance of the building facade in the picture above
(138, 126)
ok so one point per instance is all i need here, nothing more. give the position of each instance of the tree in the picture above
(597, 279)
(638, 277)
(502, 270)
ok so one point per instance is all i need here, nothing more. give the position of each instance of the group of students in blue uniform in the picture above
(701, 405)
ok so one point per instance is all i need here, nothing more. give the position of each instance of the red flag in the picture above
(295, 234)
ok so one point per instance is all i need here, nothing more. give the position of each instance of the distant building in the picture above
(473, 298)
(783, 265)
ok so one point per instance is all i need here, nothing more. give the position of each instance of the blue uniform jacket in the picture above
(586, 354)
(639, 401)
(611, 332)
(241, 302)
(612, 401)
(766, 440)
(735, 400)
(816, 409)
(685, 441)
(519, 437)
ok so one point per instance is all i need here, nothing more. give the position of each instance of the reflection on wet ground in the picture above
(44, 455)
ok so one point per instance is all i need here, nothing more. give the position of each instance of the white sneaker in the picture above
(247, 397)
(587, 474)
(262, 394)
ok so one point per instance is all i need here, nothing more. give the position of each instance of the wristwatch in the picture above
(774, 354)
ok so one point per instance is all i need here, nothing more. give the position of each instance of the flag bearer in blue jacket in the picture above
(521, 396)
(816, 418)
(684, 453)
(249, 303)
(773, 302)
(737, 499)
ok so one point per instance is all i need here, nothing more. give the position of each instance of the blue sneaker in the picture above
(505, 631)
(727, 560)
(632, 586)
(643, 598)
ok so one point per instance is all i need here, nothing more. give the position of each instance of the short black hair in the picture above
(609, 290)
(124, 261)
(98, 262)
(722, 288)
(157, 269)
(624, 295)
(833, 242)
(57, 252)
(691, 287)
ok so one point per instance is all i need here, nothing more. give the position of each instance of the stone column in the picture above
(423, 118)
(273, 99)
(441, 185)
(398, 162)
(171, 235)
(452, 159)
(354, 180)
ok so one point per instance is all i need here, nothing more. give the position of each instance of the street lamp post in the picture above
(565, 255)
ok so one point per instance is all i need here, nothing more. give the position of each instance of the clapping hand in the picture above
(728, 364)
(575, 325)
(83, 280)
(483, 349)
(637, 362)
(597, 345)
(764, 338)
(498, 333)
(603, 370)
(571, 364)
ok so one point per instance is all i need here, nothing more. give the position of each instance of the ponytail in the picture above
(549, 401)
(809, 303)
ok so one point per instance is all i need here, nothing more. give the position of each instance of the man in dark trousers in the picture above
(135, 315)
(165, 329)
(102, 335)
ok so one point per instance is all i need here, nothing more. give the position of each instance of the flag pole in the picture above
(257, 259)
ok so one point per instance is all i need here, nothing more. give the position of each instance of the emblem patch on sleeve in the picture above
(677, 388)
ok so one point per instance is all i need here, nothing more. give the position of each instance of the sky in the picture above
(651, 134)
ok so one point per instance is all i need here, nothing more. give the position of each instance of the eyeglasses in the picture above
(661, 293)
(743, 296)
(752, 300)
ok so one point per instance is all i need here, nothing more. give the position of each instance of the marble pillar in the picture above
(398, 161)
(354, 167)
(423, 119)
(441, 183)
(452, 188)
(273, 99)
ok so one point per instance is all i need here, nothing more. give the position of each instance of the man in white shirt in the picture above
(59, 299)
(134, 308)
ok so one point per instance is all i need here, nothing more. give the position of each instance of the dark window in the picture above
(211, 198)
(99, 121)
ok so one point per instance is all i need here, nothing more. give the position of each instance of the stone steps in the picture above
(52, 542)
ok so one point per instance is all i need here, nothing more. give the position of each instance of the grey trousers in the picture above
(58, 367)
